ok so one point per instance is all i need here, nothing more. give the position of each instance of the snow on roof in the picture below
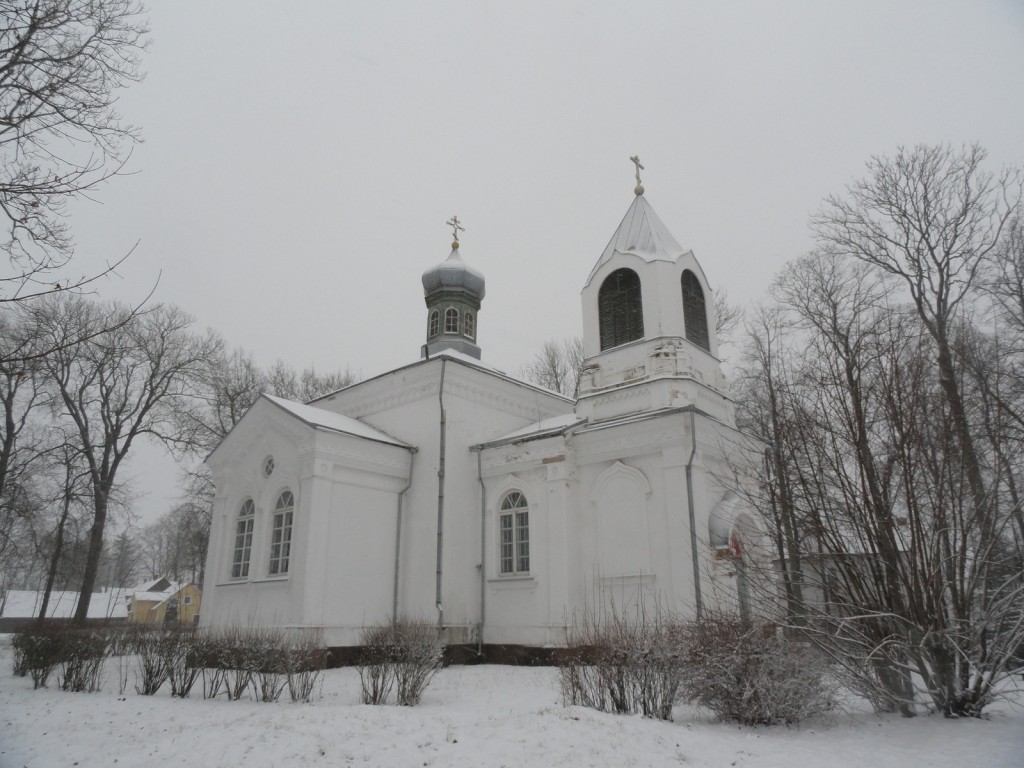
(555, 425)
(458, 357)
(152, 596)
(640, 233)
(321, 419)
(25, 603)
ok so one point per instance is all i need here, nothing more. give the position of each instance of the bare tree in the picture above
(893, 451)
(282, 381)
(728, 317)
(62, 63)
(116, 388)
(557, 366)
(931, 216)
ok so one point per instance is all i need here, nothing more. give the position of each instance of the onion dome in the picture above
(453, 275)
(452, 292)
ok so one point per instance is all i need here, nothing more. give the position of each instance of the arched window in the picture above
(281, 534)
(451, 320)
(620, 309)
(467, 324)
(435, 324)
(514, 534)
(695, 312)
(243, 540)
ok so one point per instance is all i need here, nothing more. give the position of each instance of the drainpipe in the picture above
(483, 553)
(697, 601)
(443, 427)
(398, 536)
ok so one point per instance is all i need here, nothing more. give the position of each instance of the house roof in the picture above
(20, 603)
(640, 233)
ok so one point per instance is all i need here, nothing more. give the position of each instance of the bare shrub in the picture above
(83, 655)
(41, 650)
(624, 665)
(127, 640)
(152, 671)
(376, 663)
(420, 656)
(184, 660)
(404, 655)
(268, 663)
(19, 663)
(748, 674)
(305, 659)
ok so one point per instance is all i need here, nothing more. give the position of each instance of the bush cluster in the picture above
(79, 655)
(741, 672)
(403, 656)
(752, 675)
(233, 662)
(624, 666)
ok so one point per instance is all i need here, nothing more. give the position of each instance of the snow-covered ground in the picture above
(470, 716)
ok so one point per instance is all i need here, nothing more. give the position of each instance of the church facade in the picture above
(450, 492)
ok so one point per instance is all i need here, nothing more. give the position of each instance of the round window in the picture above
(268, 466)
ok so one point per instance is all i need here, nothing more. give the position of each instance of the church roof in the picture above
(640, 233)
(556, 425)
(318, 418)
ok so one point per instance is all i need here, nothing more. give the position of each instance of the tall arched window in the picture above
(243, 540)
(514, 534)
(695, 312)
(281, 534)
(620, 309)
(467, 325)
(435, 324)
(451, 320)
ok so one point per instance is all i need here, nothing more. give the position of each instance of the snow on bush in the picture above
(749, 674)
(404, 655)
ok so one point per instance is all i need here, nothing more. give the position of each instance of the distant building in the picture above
(162, 601)
(449, 491)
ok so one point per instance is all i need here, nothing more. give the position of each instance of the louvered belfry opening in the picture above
(620, 309)
(695, 313)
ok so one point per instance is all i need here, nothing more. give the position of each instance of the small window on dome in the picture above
(467, 324)
(451, 320)
(435, 324)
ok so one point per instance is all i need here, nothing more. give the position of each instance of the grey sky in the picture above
(300, 160)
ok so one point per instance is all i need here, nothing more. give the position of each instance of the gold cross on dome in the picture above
(635, 159)
(456, 226)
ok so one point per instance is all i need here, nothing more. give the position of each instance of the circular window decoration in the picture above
(268, 466)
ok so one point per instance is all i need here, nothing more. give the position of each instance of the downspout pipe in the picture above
(398, 535)
(442, 429)
(483, 553)
(697, 600)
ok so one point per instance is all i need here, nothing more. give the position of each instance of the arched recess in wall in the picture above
(736, 537)
(620, 497)
(695, 311)
(620, 310)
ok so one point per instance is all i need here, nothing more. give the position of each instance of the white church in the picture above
(451, 492)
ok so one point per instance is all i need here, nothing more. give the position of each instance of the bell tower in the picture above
(648, 324)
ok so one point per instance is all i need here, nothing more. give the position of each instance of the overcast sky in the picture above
(300, 161)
